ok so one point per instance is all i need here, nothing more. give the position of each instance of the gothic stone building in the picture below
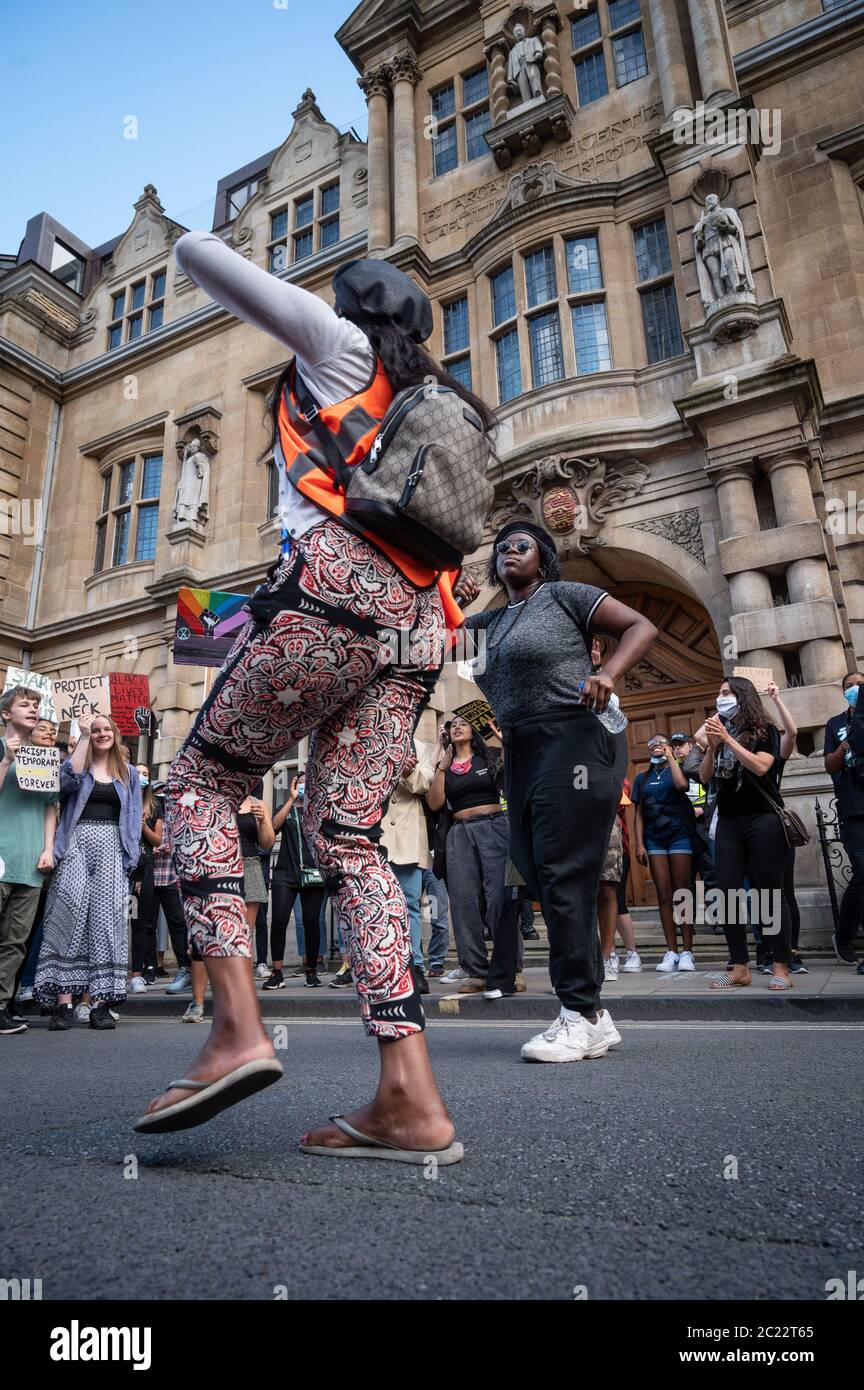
(683, 411)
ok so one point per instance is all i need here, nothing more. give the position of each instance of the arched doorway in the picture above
(672, 690)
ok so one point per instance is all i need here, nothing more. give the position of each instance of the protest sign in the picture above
(479, 715)
(761, 676)
(16, 675)
(130, 702)
(38, 769)
(208, 621)
(83, 695)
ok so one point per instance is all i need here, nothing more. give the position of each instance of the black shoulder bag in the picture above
(794, 828)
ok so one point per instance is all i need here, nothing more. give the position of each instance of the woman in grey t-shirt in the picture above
(563, 769)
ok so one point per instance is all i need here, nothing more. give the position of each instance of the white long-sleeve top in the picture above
(334, 356)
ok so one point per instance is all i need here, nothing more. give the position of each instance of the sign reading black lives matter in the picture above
(38, 769)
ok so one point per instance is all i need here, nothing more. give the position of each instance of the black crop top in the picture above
(473, 788)
(248, 827)
(103, 803)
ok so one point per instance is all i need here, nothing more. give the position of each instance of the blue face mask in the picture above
(658, 759)
(301, 789)
(851, 695)
(145, 781)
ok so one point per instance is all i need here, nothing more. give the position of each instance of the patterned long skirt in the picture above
(85, 940)
(339, 643)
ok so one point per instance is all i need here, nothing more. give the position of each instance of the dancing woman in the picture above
(563, 769)
(311, 658)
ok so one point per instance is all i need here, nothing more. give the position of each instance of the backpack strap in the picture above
(310, 411)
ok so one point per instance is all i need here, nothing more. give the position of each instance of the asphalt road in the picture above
(607, 1174)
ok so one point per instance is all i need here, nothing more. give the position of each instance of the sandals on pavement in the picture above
(210, 1097)
(367, 1147)
(777, 983)
(727, 982)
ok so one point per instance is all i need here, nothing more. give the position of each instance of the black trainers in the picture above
(100, 1017)
(276, 981)
(10, 1025)
(843, 951)
(420, 980)
(797, 966)
(343, 978)
(312, 981)
(148, 975)
(61, 1019)
(162, 973)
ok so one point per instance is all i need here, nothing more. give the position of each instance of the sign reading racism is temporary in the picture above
(130, 702)
(16, 675)
(208, 621)
(82, 695)
(38, 769)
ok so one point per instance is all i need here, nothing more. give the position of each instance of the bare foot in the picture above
(217, 1057)
(408, 1126)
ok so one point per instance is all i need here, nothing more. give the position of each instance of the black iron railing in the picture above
(838, 871)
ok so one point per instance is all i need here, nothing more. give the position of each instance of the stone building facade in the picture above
(641, 223)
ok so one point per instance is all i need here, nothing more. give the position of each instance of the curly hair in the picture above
(750, 716)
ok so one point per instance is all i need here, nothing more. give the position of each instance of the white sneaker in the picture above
(137, 985)
(81, 1013)
(686, 961)
(669, 962)
(194, 1014)
(457, 974)
(610, 967)
(25, 995)
(115, 1016)
(262, 971)
(610, 1032)
(567, 1040)
(632, 963)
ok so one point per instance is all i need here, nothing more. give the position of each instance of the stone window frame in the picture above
(458, 356)
(562, 303)
(657, 282)
(113, 506)
(153, 304)
(314, 227)
(605, 43)
(462, 113)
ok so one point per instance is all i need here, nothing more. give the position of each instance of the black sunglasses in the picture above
(521, 547)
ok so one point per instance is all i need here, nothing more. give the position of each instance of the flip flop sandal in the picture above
(209, 1097)
(726, 982)
(367, 1147)
(777, 983)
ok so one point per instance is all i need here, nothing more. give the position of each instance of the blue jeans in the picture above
(301, 935)
(410, 877)
(439, 906)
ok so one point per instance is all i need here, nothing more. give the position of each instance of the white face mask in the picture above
(727, 705)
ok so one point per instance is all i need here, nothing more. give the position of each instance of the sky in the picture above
(212, 84)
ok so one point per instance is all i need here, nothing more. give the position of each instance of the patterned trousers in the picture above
(341, 646)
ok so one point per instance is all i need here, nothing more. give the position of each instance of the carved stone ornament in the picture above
(723, 268)
(192, 495)
(570, 496)
(376, 82)
(643, 675)
(536, 181)
(405, 68)
(681, 528)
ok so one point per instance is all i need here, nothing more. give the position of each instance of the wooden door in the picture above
(672, 691)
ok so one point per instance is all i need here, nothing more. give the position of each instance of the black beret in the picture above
(368, 289)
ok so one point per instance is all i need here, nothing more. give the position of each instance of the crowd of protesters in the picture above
(706, 806)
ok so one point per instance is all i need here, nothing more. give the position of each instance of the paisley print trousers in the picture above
(340, 646)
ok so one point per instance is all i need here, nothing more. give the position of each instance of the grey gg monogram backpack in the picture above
(423, 486)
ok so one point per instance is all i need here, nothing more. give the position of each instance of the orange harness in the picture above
(353, 423)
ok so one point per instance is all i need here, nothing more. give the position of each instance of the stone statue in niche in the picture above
(722, 262)
(193, 487)
(523, 66)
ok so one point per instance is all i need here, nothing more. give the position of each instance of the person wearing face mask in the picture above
(296, 873)
(743, 758)
(842, 766)
(664, 829)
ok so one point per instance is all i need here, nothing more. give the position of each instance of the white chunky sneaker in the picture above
(610, 1032)
(457, 974)
(610, 967)
(632, 963)
(686, 961)
(669, 962)
(567, 1040)
(136, 985)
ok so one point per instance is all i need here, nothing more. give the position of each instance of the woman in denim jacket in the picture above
(85, 943)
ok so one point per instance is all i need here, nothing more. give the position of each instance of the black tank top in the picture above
(248, 827)
(103, 803)
(473, 788)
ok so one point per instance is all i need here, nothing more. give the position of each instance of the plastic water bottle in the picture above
(613, 717)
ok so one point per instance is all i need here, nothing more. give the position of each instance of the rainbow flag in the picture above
(208, 621)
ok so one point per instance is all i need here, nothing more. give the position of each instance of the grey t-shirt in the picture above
(537, 652)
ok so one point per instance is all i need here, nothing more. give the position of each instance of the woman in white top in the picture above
(311, 658)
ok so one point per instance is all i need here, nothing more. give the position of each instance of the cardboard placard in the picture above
(208, 622)
(480, 715)
(16, 675)
(38, 769)
(761, 676)
(83, 695)
(130, 702)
